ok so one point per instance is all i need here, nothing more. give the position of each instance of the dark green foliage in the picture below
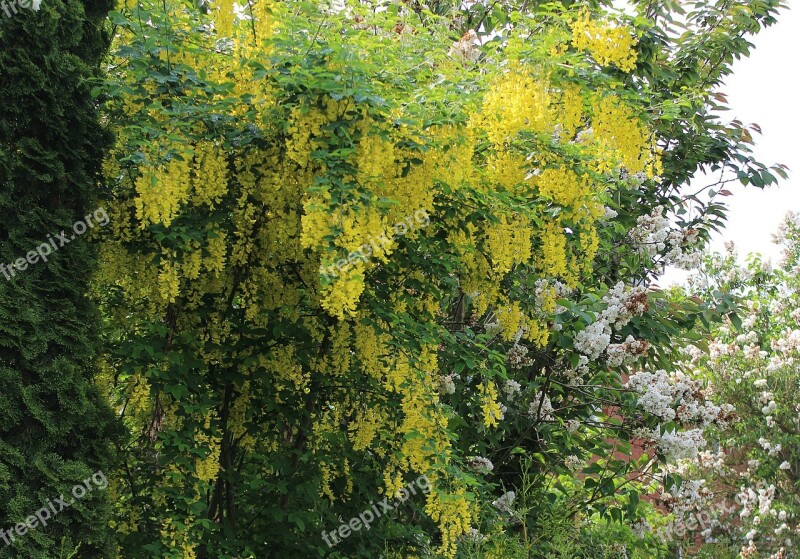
(54, 426)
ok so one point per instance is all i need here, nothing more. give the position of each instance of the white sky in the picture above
(764, 89)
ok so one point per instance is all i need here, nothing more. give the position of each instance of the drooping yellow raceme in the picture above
(518, 101)
(622, 138)
(492, 414)
(608, 42)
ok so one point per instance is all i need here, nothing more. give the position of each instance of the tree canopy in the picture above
(358, 248)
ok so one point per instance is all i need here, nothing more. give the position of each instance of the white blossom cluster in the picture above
(576, 375)
(717, 350)
(746, 339)
(676, 396)
(480, 464)
(465, 49)
(653, 235)
(609, 214)
(474, 536)
(447, 384)
(546, 412)
(641, 528)
(788, 343)
(517, 357)
(679, 445)
(710, 460)
(505, 502)
(621, 305)
(783, 236)
(626, 352)
(572, 426)
(767, 399)
(771, 449)
(762, 498)
(692, 496)
(656, 393)
(493, 328)
(593, 340)
(573, 463)
(511, 388)
(552, 287)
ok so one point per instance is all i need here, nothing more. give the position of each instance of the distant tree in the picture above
(752, 362)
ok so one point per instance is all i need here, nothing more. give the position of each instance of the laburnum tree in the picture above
(55, 426)
(748, 485)
(356, 243)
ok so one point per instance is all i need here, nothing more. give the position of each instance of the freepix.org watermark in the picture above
(370, 515)
(54, 506)
(366, 250)
(55, 242)
(9, 7)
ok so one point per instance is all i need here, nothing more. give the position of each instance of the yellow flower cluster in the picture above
(513, 320)
(168, 281)
(175, 534)
(451, 509)
(325, 486)
(492, 414)
(210, 174)
(284, 220)
(554, 253)
(366, 427)
(375, 155)
(607, 42)
(622, 137)
(563, 186)
(451, 159)
(518, 101)
(286, 372)
(207, 468)
(508, 243)
(570, 111)
(506, 169)
(238, 418)
(162, 191)
(225, 17)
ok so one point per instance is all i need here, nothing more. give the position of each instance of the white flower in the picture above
(504, 503)
(640, 528)
(593, 340)
(656, 393)
(769, 408)
(609, 214)
(573, 425)
(465, 48)
(517, 356)
(511, 388)
(446, 384)
(493, 328)
(474, 536)
(679, 445)
(546, 408)
(785, 466)
(480, 464)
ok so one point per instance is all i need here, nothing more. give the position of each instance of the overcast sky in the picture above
(765, 89)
